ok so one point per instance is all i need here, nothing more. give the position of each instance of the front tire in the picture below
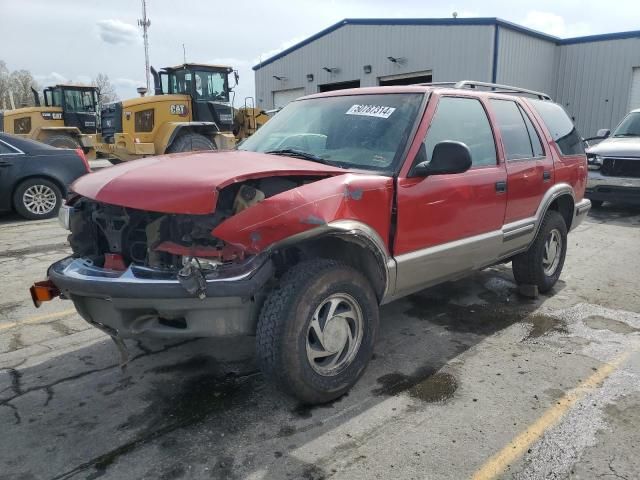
(191, 142)
(317, 329)
(542, 264)
(37, 199)
(62, 141)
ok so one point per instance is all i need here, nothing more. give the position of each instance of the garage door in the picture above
(282, 97)
(634, 98)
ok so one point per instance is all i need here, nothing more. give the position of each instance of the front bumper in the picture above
(614, 189)
(147, 302)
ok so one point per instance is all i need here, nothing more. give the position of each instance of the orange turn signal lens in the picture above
(43, 292)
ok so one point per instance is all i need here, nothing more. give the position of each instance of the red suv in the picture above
(344, 201)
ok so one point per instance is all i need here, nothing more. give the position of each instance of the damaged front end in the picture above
(136, 272)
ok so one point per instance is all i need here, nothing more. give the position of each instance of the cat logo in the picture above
(178, 109)
(52, 115)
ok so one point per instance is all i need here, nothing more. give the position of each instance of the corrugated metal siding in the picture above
(526, 61)
(594, 81)
(450, 52)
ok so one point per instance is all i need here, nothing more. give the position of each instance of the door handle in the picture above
(546, 175)
(501, 187)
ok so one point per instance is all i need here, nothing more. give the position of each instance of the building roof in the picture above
(491, 21)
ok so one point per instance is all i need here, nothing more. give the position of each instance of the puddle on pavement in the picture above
(425, 384)
(542, 325)
(598, 322)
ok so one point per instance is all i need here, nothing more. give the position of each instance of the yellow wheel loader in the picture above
(67, 119)
(190, 110)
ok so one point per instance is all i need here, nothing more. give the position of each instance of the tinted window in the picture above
(515, 136)
(5, 149)
(463, 120)
(538, 151)
(560, 127)
(629, 127)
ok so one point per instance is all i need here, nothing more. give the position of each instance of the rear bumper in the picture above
(615, 189)
(580, 212)
(144, 302)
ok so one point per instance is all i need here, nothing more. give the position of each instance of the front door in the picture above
(450, 224)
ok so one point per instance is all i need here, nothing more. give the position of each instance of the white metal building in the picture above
(596, 78)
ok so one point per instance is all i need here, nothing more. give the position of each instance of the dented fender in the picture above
(314, 207)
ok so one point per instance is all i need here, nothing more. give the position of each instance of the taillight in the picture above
(81, 154)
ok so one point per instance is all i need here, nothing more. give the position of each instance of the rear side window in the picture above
(560, 126)
(6, 149)
(515, 136)
(463, 120)
(538, 151)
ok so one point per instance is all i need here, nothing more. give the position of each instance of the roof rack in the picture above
(495, 87)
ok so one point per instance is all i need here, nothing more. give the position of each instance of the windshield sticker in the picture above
(371, 111)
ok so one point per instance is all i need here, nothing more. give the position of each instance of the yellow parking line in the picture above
(497, 464)
(38, 319)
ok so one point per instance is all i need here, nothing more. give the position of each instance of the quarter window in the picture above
(463, 120)
(516, 139)
(538, 151)
(6, 149)
(560, 126)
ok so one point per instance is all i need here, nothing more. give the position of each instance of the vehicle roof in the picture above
(413, 89)
(200, 65)
(73, 85)
(25, 144)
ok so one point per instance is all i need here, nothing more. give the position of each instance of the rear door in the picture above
(529, 166)
(448, 224)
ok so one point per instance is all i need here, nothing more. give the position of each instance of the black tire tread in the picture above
(67, 140)
(184, 143)
(270, 323)
(525, 266)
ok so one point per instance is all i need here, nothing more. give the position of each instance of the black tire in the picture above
(30, 211)
(191, 142)
(528, 267)
(284, 329)
(597, 203)
(62, 141)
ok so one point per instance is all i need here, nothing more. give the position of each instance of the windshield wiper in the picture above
(627, 135)
(292, 152)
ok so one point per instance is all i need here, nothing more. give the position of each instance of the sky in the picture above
(74, 40)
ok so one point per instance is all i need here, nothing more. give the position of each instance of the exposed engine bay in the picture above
(114, 237)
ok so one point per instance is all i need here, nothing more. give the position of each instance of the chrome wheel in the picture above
(335, 334)
(39, 199)
(552, 252)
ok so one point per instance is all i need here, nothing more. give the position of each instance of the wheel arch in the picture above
(349, 242)
(175, 130)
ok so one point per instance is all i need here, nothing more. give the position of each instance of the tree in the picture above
(106, 91)
(4, 86)
(20, 84)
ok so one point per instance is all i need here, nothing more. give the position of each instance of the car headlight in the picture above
(594, 161)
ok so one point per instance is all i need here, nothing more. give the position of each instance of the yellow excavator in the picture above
(190, 109)
(66, 120)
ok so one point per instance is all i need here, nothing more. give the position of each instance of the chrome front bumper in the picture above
(148, 302)
(606, 188)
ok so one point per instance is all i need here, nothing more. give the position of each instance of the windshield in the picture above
(629, 127)
(356, 131)
(209, 86)
(78, 101)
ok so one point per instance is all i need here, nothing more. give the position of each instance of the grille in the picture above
(621, 167)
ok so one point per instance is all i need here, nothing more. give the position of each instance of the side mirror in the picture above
(603, 133)
(449, 157)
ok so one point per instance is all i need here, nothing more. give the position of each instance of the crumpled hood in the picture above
(617, 147)
(187, 183)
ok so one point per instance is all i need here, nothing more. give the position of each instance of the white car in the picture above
(614, 164)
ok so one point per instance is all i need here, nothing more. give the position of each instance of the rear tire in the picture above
(191, 142)
(542, 264)
(37, 199)
(62, 141)
(317, 329)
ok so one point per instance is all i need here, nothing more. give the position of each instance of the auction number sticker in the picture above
(379, 111)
